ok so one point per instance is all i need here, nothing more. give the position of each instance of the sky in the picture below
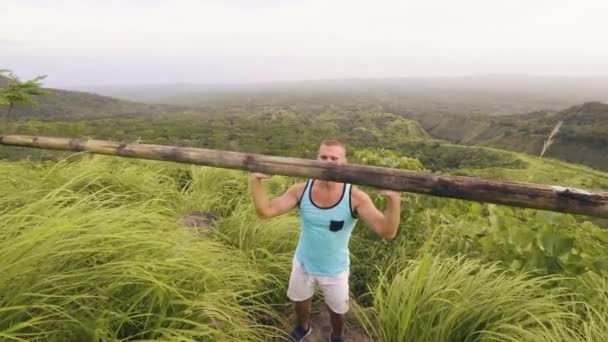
(129, 42)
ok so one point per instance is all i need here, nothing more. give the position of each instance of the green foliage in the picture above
(91, 249)
(581, 139)
(523, 239)
(386, 158)
(456, 299)
(104, 258)
(17, 92)
(382, 119)
(437, 155)
(271, 132)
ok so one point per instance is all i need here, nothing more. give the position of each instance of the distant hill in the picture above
(583, 137)
(67, 105)
(487, 94)
(469, 111)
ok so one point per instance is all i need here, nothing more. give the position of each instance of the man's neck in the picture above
(328, 185)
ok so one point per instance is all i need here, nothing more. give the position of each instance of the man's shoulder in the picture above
(297, 187)
(357, 194)
(300, 185)
(356, 190)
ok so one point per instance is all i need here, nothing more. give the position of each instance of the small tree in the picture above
(17, 92)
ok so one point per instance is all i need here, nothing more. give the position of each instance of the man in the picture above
(328, 214)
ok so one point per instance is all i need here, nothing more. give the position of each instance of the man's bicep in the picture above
(285, 202)
(369, 213)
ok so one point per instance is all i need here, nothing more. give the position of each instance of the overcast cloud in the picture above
(137, 42)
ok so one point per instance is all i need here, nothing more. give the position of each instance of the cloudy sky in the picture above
(119, 42)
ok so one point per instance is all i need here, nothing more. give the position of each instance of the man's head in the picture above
(332, 151)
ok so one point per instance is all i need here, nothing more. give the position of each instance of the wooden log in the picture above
(526, 195)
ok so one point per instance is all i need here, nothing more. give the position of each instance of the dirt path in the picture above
(321, 327)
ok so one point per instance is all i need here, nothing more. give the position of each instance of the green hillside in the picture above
(582, 138)
(72, 105)
(95, 247)
(342, 108)
(271, 131)
(286, 133)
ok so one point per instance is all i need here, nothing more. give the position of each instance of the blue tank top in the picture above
(325, 232)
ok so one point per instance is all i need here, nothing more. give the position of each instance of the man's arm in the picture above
(385, 224)
(270, 208)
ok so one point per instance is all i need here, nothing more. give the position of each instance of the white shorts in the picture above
(334, 288)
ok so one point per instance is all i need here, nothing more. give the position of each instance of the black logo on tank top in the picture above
(335, 226)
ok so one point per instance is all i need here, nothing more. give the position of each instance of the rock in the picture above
(203, 222)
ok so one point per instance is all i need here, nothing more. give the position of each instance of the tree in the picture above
(17, 92)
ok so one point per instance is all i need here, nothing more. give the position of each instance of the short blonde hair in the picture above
(333, 142)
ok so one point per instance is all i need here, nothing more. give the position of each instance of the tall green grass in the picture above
(459, 299)
(92, 251)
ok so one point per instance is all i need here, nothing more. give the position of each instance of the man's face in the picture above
(333, 154)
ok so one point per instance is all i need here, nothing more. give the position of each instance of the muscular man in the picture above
(328, 214)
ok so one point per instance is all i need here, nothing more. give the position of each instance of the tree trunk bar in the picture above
(526, 195)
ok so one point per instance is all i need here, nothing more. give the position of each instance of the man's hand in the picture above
(259, 175)
(390, 194)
